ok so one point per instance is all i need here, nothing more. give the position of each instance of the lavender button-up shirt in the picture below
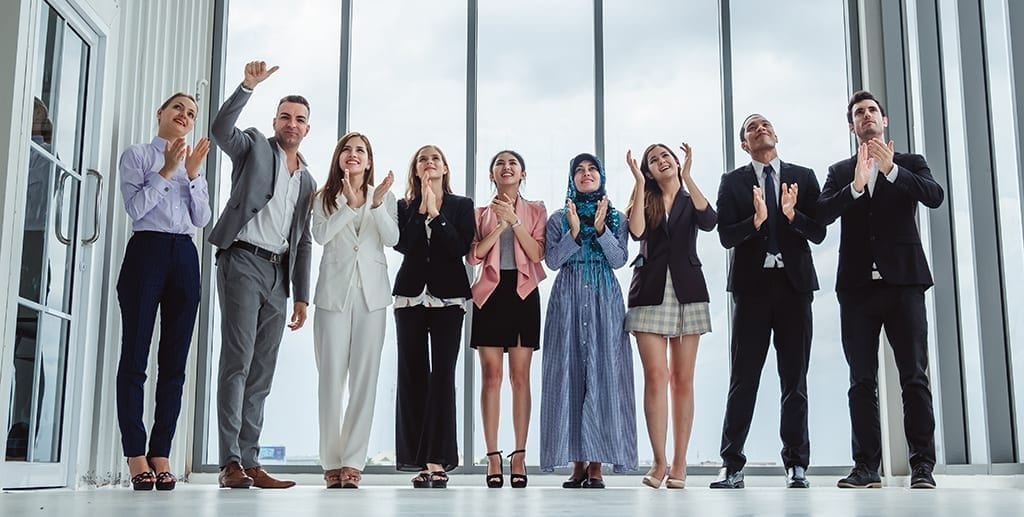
(178, 205)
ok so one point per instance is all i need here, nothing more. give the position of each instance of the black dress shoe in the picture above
(575, 482)
(921, 477)
(593, 483)
(728, 479)
(861, 477)
(796, 477)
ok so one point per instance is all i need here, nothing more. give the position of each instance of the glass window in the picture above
(408, 91)
(663, 85)
(802, 89)
(536, 96)
(302, 39)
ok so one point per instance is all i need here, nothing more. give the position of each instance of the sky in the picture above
(536, 95)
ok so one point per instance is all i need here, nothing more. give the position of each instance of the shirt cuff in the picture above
(244, 89)
(854, 193)
(893, 173)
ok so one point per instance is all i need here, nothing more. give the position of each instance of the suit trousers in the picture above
(252, 293)
(428, 349)
(347, 345)
(780, 310)
(901, 311)
(160, 270)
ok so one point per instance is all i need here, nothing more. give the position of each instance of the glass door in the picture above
(45, 329)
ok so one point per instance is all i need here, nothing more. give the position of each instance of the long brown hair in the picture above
(330, 190)
(654, 208)
(413, 184)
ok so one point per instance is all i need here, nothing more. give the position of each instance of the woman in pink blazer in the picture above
(509, 247)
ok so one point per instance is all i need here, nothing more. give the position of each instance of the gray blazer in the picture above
(252, 185)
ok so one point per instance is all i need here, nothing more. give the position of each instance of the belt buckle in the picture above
(274, 258)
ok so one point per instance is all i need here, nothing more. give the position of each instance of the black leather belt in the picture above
(273, 258)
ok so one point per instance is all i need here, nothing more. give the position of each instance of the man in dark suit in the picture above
(881, 282)
(766, 214)
(264, 246)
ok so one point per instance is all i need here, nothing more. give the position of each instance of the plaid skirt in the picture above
(670, 319)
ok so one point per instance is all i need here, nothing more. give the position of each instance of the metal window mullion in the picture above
(345, 68)
(989, 281)
(468, 371)
(599, 135)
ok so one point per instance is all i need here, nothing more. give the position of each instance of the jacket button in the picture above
(269, 196)
(355, 248)
(254, 210)
(873, 237)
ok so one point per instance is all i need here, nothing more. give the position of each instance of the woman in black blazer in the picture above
(668, 298)
(435, 231)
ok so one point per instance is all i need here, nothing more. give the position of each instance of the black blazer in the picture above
(880, 228)
(736, 229)
(672, 245)
(437, 263)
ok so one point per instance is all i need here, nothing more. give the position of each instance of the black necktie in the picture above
(771, 201)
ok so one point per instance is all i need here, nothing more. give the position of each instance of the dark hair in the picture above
(743, 125)
(654, 209)
(175, 96)
(522, 162)
(858, 96)
(297, 99)
(330, 190)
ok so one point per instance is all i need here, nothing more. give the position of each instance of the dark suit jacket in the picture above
(437, 263)
(672, 245)
(880, 228)
(254, 170)
(736, 229)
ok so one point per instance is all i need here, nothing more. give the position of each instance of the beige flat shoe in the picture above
(675, 483)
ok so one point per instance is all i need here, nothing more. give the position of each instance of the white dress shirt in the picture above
(270, 227)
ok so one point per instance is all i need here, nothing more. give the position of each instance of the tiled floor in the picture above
(391, 495)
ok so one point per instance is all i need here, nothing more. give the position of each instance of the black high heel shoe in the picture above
(517, 480)
(143, 481)
(496, 480)
(163, 480)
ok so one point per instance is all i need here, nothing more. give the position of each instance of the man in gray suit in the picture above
(264, 245)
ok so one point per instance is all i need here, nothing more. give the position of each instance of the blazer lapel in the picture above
(678, 207)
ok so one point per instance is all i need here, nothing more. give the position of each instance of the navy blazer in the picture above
(437, 262)
(880, 228)
(736, 229)
(672, 246)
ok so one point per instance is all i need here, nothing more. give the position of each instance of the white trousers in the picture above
(347, 345)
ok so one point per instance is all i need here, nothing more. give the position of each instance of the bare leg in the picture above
(491, 359)
(652, 348)
(519, 359)
(683, 352)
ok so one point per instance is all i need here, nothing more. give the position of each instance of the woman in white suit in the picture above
(354, 220)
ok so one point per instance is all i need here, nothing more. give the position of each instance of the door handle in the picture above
(96, 209)
(60, 217)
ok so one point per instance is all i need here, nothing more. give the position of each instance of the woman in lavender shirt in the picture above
(167, 200)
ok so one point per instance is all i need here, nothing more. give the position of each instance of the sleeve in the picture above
(325, 227)
(615, 245)
(835, 198)
(233, 141)
(199, 201)
(454, 237)
(915, 178)
(559, 246)
(804, 222)
(141, 192)
(735, 224)
(386, 218)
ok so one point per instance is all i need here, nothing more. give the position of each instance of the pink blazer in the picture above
(534, 217)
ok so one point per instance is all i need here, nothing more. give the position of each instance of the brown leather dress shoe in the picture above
(260, 479)
(232, 476)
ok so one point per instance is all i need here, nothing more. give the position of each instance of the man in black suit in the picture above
(766, 214)
(881, 282)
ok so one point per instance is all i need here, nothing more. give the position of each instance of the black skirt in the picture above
(506, 320)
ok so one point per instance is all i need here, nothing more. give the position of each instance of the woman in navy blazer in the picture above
(435, 231)
(668, 298)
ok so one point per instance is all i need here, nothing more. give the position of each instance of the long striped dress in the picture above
(587, 406)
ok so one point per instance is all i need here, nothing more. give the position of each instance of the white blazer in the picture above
(344, 249)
